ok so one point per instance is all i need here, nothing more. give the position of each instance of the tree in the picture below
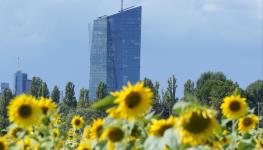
(35, 88)
(156, 96)
(44, 92)
(212, 87)
(168, 95)
(102, 91)
(70, 98)
(83, 98)
(4, 101)
(154, 88)
(210, 76)
(189, 87)
(55, 96)
(255, 95)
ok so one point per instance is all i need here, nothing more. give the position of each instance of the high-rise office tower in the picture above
(115, 50)
(22, 84)
(4, 85)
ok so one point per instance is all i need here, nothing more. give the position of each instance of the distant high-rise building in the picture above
(115, 50)
(4, 85)
(22, 84)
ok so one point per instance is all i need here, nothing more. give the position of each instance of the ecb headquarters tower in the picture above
(115, 50)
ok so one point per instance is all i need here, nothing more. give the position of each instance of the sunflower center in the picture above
(163, 129)
(25, 111)
(45, 110)
(77, 122)
(247, 122)
(197, 123)
(234, 106)
(133, 99)
(115, 134)
(98, 131)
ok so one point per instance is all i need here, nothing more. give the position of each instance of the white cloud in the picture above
(210, 7)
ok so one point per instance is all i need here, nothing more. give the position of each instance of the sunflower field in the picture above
(131, 125)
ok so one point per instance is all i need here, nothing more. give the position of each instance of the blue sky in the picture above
(181, 37)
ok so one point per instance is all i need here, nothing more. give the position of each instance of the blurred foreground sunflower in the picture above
(197, 126)
(46, 105)
(24, 111)
(247, 123)
(133, 101)
(84, 146)
(259, 144)
(3, 144)
(77, 122)
(113, 135)
(97, 128)
(234, 107)
(159, 127)
(14, 131)
(55, 132)
(86, 133)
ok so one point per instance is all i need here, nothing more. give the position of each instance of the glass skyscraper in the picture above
(115, 50)
(22, 84)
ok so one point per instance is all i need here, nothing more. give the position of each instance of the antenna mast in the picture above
(18, 62)
(121, 5)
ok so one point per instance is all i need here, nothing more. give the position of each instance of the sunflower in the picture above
(113, 113)
(234, 107)
(13, 132)
(3, 144)
(96, 129)
(247, 123)
(196, 126)
(159, 127)
(113, 135)
(84, 146)
(133, 101)
(70, 134)
(47, 105)
(25, 143)
(55, 132)
(77, 122)
(259, 144)
(24, 111)
(86, 133)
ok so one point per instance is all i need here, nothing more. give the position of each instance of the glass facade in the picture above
(22, 85)
(115, 50)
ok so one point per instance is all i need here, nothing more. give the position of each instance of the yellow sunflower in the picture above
(47, 105)
(97, 129)
(87, 132)
(259, 145)
(113, 135)
(247, 123)
(25, 144)
(55, 132)
(24, 111)
(133, 101)
(84, 146)
(70, 134)
(14, 131)
(3, 144)
(113, 113)
(197, 126)
(234, 107)
(77, 122)
(159, 127)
